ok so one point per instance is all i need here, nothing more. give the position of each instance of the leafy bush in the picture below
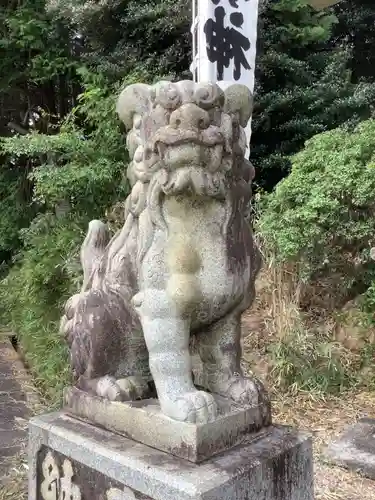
(44, 275)
(16, 206)
(84, 165)
(322, 214)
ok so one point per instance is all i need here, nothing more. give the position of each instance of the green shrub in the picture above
(322, 215)
(16, 207)
(43, 277)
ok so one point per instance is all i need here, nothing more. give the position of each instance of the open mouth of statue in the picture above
(178, 148)
(171, 136)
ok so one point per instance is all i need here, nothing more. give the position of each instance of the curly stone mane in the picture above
(146, 112)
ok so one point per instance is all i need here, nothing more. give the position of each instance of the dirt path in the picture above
(14, 411)
(18, 401)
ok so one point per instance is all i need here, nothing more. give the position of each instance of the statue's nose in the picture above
(189, 116)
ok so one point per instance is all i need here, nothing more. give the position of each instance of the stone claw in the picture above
(107, 388)
(125, 389)
(196, 407)
(133, 388)
(245, 390)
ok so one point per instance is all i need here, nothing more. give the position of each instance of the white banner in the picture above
(224, 42)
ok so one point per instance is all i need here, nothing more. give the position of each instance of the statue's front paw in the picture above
(196, 407)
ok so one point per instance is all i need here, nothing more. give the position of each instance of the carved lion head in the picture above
(185, 136)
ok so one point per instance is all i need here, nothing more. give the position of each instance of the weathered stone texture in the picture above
(182, 268)
(275, 467)
(355, 449)
(144, 422)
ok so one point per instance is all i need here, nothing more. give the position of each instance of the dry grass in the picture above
(273, 316)
(276, 318)
(14, 484)
(277, 300)
(280, 336)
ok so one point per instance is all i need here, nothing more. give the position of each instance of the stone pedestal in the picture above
(72, 459)
(144, 422)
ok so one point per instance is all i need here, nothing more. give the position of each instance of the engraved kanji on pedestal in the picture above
(64, 479)
(56, 487)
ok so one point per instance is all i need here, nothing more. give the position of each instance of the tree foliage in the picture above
(119, 37)
(89, 157)
(355, 29)
(37, 74)
(303, 86)
(37, 65)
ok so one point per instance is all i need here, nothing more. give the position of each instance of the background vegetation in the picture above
(63, 161)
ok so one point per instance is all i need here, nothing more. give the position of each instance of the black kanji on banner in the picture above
(233, 3)
(226, 44)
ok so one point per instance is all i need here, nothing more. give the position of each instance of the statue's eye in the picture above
(166, 94)
(208, 96)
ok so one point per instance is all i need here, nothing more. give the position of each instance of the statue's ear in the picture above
(134, 99)
(239, 99)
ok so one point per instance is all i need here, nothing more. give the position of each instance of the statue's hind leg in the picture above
(108, 353)
(123, 389)
(220, 350)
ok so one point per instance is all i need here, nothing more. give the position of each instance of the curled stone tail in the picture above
(93, 249)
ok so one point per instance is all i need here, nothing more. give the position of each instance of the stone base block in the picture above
(71, 459)
(355, 449)
(144, 422)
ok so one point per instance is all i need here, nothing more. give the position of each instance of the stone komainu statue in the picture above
(184, 264)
